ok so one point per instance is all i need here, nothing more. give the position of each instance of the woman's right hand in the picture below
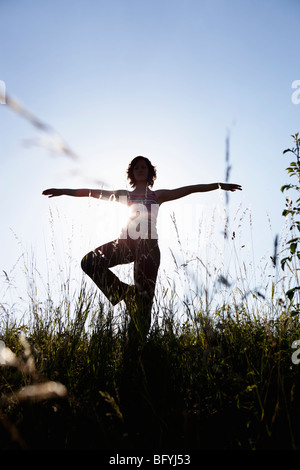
(53, 192)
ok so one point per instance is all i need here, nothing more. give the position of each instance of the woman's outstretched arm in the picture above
(164, 195)
(85, 192)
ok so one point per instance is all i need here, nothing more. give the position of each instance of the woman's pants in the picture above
(145, 255)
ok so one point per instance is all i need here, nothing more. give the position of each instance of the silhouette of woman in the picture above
(137, 243)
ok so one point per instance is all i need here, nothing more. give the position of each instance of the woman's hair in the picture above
(151, 173)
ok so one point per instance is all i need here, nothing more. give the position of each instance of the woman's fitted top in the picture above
(143, 211)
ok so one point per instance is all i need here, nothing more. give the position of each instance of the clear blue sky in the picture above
(168, 79)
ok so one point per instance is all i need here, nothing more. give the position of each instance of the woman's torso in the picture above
(143, 212)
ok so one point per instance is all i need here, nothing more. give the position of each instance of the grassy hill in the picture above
(218, 380)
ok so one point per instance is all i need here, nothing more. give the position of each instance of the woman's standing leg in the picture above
(146, 267)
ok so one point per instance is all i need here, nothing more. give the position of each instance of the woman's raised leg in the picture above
(96, 265)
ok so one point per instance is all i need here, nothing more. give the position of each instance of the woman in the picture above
(137, 243)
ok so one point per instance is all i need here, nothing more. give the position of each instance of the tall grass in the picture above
(215, 372)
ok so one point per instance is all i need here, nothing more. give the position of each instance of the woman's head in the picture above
(136, 165)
